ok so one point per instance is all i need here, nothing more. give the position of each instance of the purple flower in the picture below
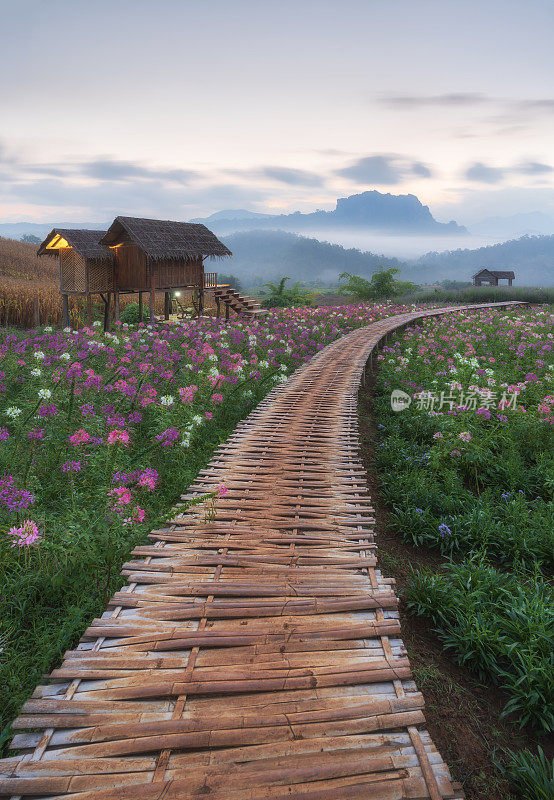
(168, 437)
(48, 410)
(444, 531)
(14, 499)
(71, 466)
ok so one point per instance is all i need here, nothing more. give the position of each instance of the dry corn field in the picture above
(24, 277)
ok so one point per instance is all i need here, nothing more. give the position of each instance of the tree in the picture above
(383, 284)
(28, 237)
(281, 297)
(230, 280)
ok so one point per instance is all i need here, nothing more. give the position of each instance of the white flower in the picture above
(13, 412)
(39, 355)
(197, 419)
(96, 324)
(48, 329)
(65, 357)
(45, 394)
(167, 400)
(67, 330)
(36, 372)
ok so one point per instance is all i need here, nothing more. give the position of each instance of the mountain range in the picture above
(370, 211)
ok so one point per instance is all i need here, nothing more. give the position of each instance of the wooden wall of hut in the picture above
(178, 272)
(131, 271)
(73, 273)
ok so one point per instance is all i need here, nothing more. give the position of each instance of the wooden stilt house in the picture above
(492, 277)
(152, 255)
(86, 266)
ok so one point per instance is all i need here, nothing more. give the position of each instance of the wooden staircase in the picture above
(235, 301)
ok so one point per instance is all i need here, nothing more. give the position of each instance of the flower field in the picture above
(468, 469)
(100, 434)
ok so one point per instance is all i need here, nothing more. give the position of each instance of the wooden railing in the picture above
(210, 280)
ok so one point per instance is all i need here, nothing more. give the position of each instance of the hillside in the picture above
(260, 256)
(531, 257)
(19, 261)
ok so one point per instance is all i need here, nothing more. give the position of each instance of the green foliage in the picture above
(454, 285)
(280, 296)
(382, 285)
(484, 294)
(500, 625)
(532, 775)
(477, 482)
(130, 314)
(230, 280)
(30, 238)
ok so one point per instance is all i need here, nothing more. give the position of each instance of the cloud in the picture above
(533, 168)
(450, 100)
(482, 173)
(485, 173)
(106, 199)
(384, 170)
(421, 170)
(287, 175)
(115, 170)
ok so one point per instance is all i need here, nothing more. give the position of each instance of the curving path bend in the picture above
(254, 654)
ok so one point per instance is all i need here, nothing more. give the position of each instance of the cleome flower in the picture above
(26, 535)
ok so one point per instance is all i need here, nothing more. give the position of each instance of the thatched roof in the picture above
(84, 242)
(165, 239)
(497, 273)
(503, 273)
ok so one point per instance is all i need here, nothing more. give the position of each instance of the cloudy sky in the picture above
(177, 108)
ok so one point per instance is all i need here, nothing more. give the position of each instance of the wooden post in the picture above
(116, 296)
(201, 297)
(152, 291)
(218, 306)
(140, 306)
(167, 305)
(89, 310)
(65, 311)
(107, 311)
(36, 312)
(227, 310)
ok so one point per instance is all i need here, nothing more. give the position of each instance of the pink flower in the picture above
(137, 516)
(208, 415)
(438, 435)
(217, 398)
(122, 495)
(465, 436)
(117, 436)
(26, 535)
(186, 393)
(80, 437)
(221, 490)
(148, 479)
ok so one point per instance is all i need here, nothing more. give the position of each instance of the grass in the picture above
(482, 294)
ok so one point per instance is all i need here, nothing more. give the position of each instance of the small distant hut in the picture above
(153, 255)
(86, 266)
(491, 277)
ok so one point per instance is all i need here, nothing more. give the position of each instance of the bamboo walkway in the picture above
(255, 655)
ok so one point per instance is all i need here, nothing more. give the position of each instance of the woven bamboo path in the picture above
(255, 655)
